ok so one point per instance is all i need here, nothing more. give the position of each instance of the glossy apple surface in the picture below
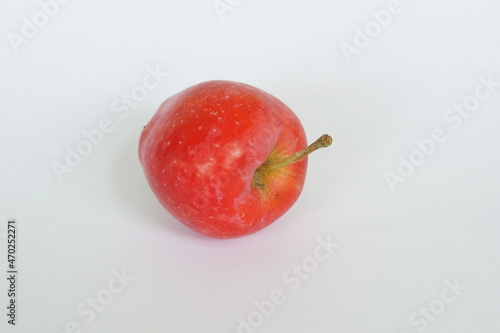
(202, 149)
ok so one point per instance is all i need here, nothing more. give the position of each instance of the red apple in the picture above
(225, 158)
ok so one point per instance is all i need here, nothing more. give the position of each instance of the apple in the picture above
(225, 158)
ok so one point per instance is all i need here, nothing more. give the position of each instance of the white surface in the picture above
(396, 249)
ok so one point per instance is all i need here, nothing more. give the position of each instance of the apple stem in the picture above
(324, 141)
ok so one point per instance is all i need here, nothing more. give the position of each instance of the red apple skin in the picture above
(201, 149)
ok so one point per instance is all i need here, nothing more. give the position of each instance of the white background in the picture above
(396, 249)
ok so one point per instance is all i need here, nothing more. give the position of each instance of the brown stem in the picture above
(324, 141)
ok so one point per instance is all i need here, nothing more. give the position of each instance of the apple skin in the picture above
(201, 150)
